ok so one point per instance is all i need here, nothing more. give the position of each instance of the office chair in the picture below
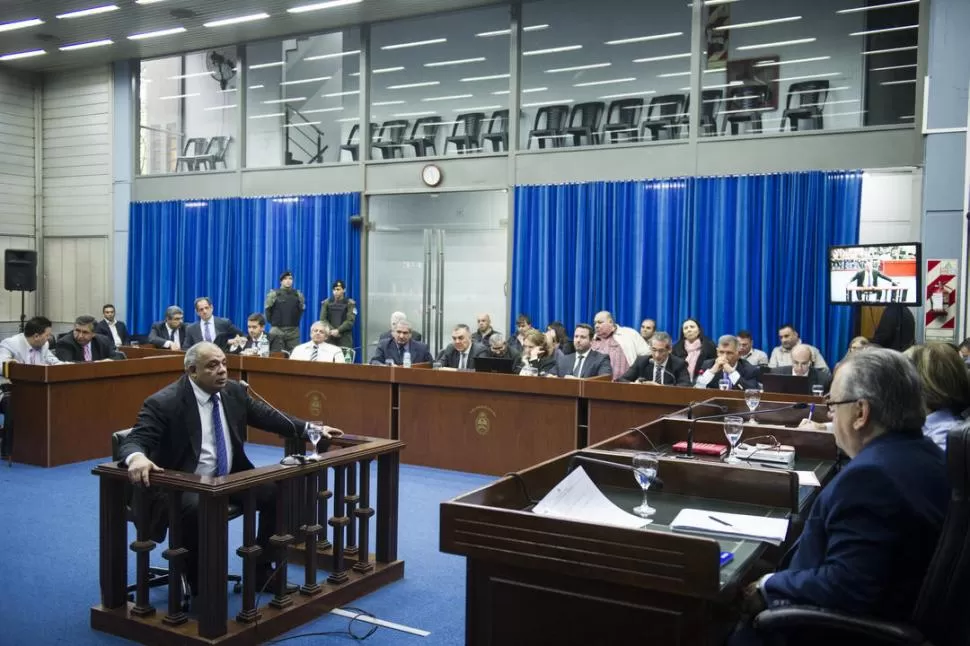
(158, 576)
(622, 119)
(424, 136)
(940, 616)
(552, 118)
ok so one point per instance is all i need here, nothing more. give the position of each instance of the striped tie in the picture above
(313, 355)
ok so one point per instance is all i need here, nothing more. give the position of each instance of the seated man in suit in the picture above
(318, 348)
(802, 365)
(586, 362)
(393, 348)
(663, 368)
(197, 425)
(211, 328)
(395, 318)
(256, 326)
(112, 328)
(461, 352)
(871, 533)
(499, 348)
(170, 333)
(739, 373)
(83, 344)
(867, 279)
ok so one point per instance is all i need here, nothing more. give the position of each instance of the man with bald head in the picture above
(802, 365)
(484, 333)
(622, 344)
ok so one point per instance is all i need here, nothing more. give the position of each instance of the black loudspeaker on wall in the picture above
(20, 270)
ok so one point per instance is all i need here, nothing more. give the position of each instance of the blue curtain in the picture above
(746, 252)
(233, 250)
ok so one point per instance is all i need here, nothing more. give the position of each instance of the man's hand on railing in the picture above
(139, 467)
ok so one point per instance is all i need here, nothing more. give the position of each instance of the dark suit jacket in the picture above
(708, 351)
(860, 277)
(596, 365)
(169, 433)
(546, 366)
(869, 537)
(103, 329)
(674, 374)
(159, 335)
(389, 349)
(896, 329)
(816, 376)
(478, 338)
(450, 357)
(749, 374)
(415, 335)
(223, 328)
(275, 344)
(67, 349)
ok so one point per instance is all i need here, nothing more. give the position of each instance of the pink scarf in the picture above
(693, 349)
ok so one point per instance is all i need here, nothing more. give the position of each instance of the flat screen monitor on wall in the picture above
(875, 274)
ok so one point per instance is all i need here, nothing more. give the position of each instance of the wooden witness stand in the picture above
(301, 536)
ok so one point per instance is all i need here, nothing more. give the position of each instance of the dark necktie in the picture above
(657, 374)
(222, 456)
(462, 361)
(578, 370)
(206, 335)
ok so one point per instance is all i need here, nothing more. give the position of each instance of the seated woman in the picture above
(693, 347)
(559, 340)
(537, 354)
(946, 388)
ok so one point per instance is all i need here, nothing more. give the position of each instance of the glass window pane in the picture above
(440, 84)
(614, 73)
(188, 112)
(302, 99)
(825, 64)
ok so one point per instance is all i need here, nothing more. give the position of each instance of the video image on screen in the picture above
(874, 274)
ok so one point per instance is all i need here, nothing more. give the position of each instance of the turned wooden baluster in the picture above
(250, 552)
(323, 496)
(351, 498)
(175, 555)
(280, 542)
(364, 513)
(339, 573)
(142, 547)
(212, 603)
(310, 531)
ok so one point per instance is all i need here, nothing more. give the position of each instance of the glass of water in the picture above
(733, 428)
(645, 471)
(529, 371)
(314, 431)
(437, 365)
(752, 397)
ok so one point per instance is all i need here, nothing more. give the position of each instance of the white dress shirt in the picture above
(781, 356)
(173, 338)
(708, 376)
(16, 348)
(326, 352)
(207, 453)
(113, 326)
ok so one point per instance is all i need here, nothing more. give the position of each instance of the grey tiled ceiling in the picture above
(132, 18)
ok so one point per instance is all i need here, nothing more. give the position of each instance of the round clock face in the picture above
(431, 175)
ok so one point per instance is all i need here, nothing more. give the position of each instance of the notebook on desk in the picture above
(738, 526)
(786, 384)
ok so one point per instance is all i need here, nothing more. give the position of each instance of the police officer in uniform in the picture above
(284, 308)
(340, 312)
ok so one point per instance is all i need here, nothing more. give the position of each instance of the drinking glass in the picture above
(314, 431)
(733, 427)
(645, 471)
(817, 390)
(752, 397)
(437, 365)
(724, 384)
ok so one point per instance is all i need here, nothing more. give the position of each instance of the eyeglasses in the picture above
(830, 403)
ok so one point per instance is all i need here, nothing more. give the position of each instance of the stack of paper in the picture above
(763, 453)
(577, 498)
(758, 528)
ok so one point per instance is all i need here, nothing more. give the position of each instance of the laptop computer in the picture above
(786, 384)
(494, 364)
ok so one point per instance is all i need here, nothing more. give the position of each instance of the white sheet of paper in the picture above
(771, 530)
(808, 479)
(576, 497)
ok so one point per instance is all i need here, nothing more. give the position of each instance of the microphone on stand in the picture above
(690, 408)
(749, 414)
(578, 457)
(295, 446)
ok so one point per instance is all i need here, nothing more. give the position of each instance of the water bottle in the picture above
(263, 346)
(407, 360)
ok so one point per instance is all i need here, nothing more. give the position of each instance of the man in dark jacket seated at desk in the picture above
(393, 348)
(83, 344)
(739, 372)
(197, 425)
(802, 365)
(660, 367)
(870, 535)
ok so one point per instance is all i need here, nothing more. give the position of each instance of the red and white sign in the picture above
(941, 299)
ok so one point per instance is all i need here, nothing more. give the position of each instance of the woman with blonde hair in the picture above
(946, 388)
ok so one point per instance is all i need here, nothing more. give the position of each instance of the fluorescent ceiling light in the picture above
(903, 82)
(148, 1)
(382, 70)
(808, 77)
(349, 119)
(453, 97)
(329, 4)
(491, 77)
(238, 19)
(414, 114)
(188, 76)
(878, 6)
(626, 94)
(266, 116)
(668, 57)
(27, 54)
(757, 23)
(883, 31)
(302, 124)
(605, 82)
(457, 61)
(711, 3)
(295, 98)
(179, 96)
(221, 107)
(321, 57)
(552, 50)
(525, 91)
(888, 51)
(405, 86)
(506, 32)
(579, 68)
(893, 67)
(313, 80)
(416, 43)
(93, 11)
(541, 103)
(780, 43)
(347, 93)
(792, 61)
(388, 102)
(228, 89)
(670, 75)
(643, 39)
(88, 45)
(256, 87)
(262, 66)
(156, 34)
(21, 24)
(719, 87)
(481, 107)
(319, 110)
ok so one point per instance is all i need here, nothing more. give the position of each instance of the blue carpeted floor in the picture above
(49, 560)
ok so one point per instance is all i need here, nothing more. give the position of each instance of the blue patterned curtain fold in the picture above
(233, 251)
(743, 252)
